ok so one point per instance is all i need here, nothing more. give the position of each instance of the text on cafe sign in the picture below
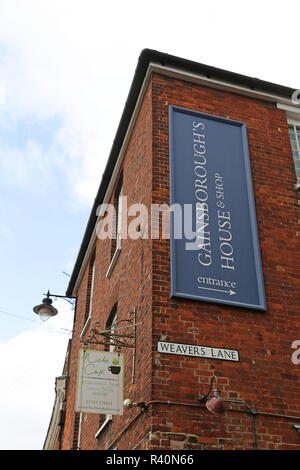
(219, 260)
(206, 352)
(99, 386)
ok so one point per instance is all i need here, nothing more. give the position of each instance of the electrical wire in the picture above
(33, 321)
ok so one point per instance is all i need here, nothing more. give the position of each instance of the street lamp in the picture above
(45, 310)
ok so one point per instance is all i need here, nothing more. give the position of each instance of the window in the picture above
(117, 226)
(294, 132)
(110, 325)
(89, 292)
(117, 223)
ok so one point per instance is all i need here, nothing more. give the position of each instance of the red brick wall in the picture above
(265, 376)
(129, 285)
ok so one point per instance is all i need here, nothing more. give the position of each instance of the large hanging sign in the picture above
(99, 386)
(215, 253)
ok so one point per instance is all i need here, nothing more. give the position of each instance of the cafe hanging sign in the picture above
(99, 387)
(215, 254)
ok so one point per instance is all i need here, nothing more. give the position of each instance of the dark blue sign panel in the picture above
(214, 243)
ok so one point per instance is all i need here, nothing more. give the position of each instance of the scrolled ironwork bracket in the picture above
(122, 334)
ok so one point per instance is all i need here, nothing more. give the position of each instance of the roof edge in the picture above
(147, 56)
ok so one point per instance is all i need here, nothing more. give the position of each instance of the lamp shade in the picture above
(216, 404)
(45, 310)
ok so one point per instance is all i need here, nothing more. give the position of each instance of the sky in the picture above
(66, 67)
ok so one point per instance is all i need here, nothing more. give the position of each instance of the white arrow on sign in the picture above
(230, 291)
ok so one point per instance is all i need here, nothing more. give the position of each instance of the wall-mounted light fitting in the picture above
(45, 310)
(297, 427)
(127, 404)
(217, 405)
(214, 404)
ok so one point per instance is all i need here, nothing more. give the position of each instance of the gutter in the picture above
(146, 57)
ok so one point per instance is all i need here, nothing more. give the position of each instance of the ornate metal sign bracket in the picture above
(122, 334)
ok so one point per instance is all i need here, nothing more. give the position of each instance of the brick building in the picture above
(129, 279)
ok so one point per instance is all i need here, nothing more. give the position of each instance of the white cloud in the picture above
(55, 65)
(67, 65)
(28, 167)
(74, 59)
(29, 364)
(2, 93)
(5, 231)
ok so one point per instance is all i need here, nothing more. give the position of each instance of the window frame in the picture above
(89, 293)
(295, 126)
(116, 242)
